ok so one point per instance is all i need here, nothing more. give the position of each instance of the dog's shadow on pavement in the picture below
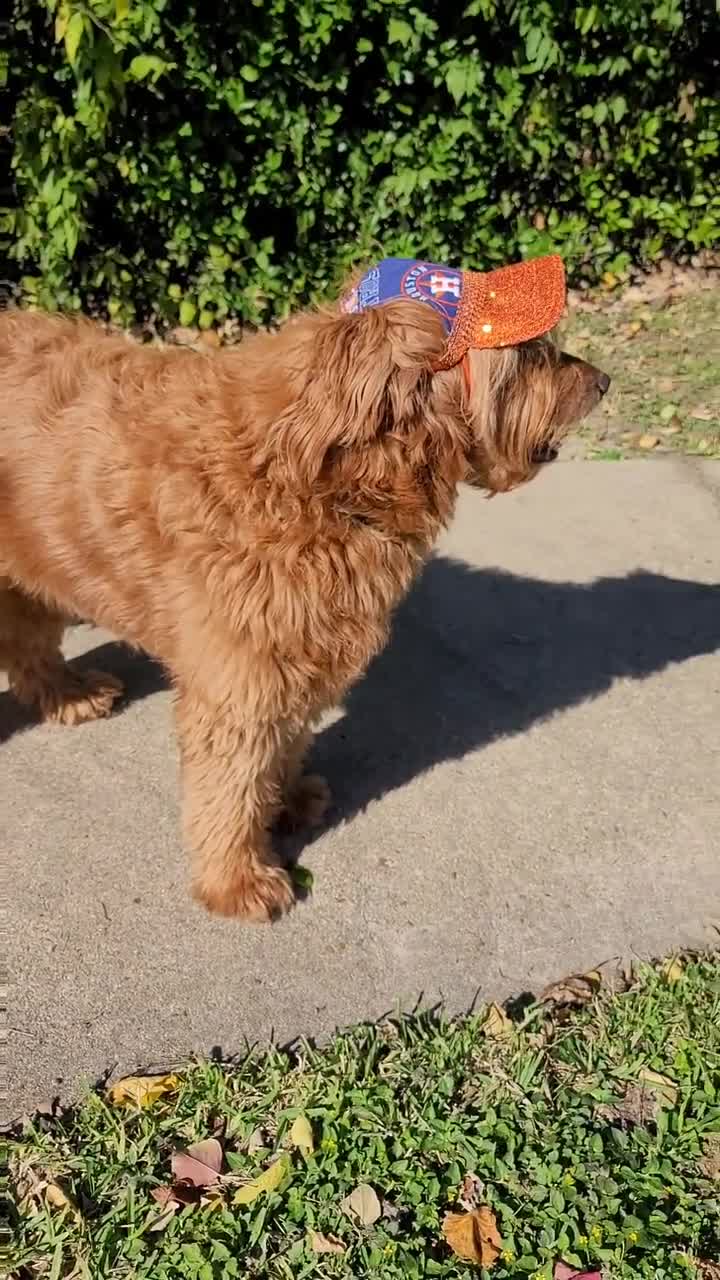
(475, 655)
(479, 654)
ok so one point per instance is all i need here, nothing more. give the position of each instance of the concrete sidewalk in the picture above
(526, 784)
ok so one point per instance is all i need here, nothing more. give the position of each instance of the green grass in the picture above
(665, 372)
(411, 1107)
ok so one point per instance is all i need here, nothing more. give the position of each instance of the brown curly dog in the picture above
(250, 517)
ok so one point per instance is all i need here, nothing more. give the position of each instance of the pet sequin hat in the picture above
(479, 309)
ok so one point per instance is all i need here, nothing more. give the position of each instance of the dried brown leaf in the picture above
(709, 1162)
(200, 1165)
(648, 442)
(641, 1101)
(578, 989)
(324, 1244)
(163, 1195)
(160, 1222)
(637, 1106)
(257, 1140)
(362, 1204)
(665, 1090)
(497, 1024)
(474, 1237)
(563, 1271)
(707, 1270)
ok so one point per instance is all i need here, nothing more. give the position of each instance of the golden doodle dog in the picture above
(252, 517)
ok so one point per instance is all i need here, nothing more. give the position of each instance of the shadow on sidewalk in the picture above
(477, 654)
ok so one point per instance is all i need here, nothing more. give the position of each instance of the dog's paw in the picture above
(308, 802)
(80, 696)
(258, 893)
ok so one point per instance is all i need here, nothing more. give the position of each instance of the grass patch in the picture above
(663, 361)
(580, 1154)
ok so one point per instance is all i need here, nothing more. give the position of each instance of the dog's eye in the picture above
(545, 453)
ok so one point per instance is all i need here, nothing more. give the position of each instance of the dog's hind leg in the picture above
(306, 796)
(232, 775)
(30, 653)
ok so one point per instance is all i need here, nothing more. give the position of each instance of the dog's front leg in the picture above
(232, 775)
(306, 796)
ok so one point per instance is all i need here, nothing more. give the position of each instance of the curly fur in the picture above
(251, 518)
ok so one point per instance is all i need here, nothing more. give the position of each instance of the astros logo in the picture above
(440, 286)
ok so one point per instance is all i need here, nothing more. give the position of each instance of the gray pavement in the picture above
(526, 784)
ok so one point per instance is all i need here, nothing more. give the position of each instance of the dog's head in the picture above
(373, 420)
(521, 402)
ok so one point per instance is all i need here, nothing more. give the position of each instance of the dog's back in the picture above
(77, 460)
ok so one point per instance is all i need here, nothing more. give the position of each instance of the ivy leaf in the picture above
(456, 80)
(399, 32)
(532, 43)
(73, 36)
(147, 64)
(122, 9)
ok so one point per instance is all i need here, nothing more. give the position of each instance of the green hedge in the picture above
(198, 159)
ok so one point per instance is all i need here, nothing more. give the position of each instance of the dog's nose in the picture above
(603, 383)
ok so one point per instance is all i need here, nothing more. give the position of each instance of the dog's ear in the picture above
(368, 374)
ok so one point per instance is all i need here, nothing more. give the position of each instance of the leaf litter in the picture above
(473, 1236)
(363, 1205)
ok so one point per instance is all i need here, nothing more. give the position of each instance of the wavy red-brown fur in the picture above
(251, 518)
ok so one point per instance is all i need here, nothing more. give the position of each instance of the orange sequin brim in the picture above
(504, 307)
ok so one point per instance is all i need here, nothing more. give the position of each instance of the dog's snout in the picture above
(603, 382)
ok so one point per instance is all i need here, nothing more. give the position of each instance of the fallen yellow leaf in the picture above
(324, 1244)
(648, 442)
(56, 1197)
(672, 970)
(142, 1091)
(474, 1237)
(497, 1024)
(665, 1090)
(301, 1136)
(268, 1181)
(362, 1204)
